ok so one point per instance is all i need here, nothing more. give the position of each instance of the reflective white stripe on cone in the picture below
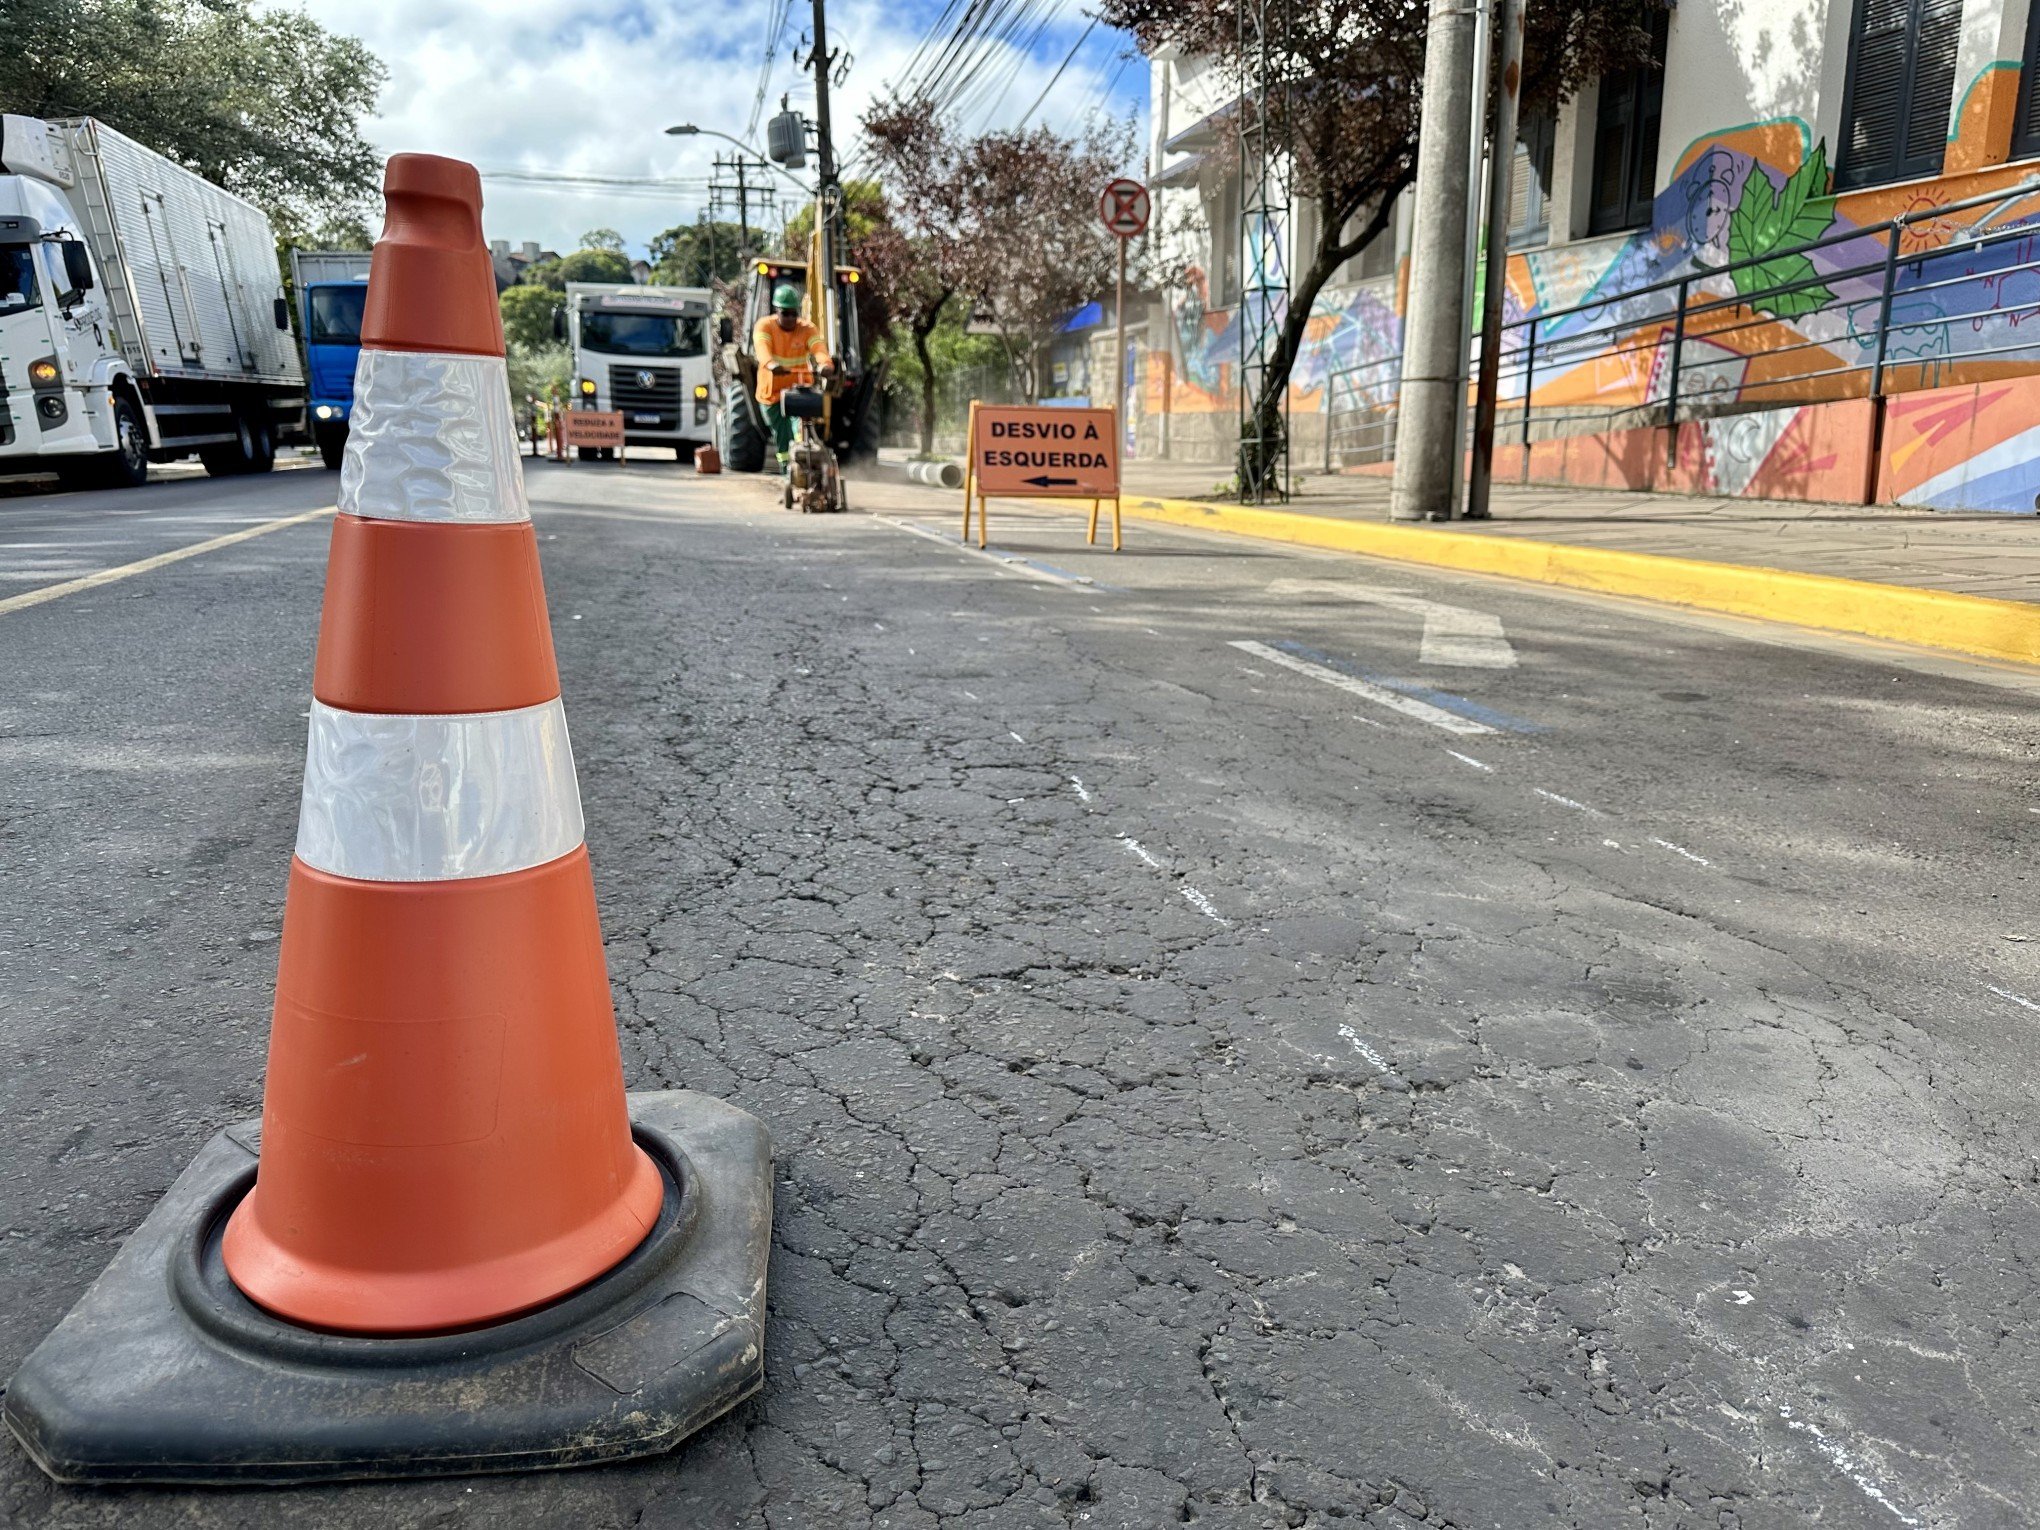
(392, 798)
(444, 447)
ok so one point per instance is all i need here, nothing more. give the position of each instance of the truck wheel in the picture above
(231, 457)
(743, 436)
(264, 436)
(332, 442)
(126, 466)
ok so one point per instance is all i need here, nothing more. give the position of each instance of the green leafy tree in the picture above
(1767, 219)
(265, 102)
(602, 239)
(581, 266)
(528, 315)
(702, 254)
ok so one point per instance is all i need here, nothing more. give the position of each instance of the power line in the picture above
(1059, 68)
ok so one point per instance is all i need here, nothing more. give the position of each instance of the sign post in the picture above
(1125, 207)
(1041, 451)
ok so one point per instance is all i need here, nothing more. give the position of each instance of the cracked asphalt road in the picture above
(1201, 1095)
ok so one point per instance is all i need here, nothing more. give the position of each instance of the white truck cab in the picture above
(141, 318)
(644, 352)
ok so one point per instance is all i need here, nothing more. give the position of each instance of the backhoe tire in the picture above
(744, 442)
(866, 422)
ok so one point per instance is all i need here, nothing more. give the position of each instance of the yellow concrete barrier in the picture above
(1971, 624)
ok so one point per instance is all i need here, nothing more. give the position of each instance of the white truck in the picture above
(644, 353)
(141, 314)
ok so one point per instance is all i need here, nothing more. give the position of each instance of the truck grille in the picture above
(629, 394)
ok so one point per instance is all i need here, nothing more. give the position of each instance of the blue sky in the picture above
(588, 90)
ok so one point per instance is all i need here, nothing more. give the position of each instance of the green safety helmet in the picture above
(786, 296)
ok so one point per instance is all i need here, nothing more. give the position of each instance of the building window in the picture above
(2026, 128)
(1901, 89)
(1530, 181)
(1625, 140)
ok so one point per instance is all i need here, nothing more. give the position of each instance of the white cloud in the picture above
(589, 89)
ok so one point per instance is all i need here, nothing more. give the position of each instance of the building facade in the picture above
(1706, 284)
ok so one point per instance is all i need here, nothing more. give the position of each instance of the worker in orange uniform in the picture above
(787, 347)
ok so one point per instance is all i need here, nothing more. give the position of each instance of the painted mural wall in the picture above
(1791, 330)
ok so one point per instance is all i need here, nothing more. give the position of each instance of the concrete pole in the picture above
(1434, 326)
(1476, 145)
(1501, 170)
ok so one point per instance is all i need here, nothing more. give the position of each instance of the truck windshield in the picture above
(336, 314)
(643, 334)
(17, 279)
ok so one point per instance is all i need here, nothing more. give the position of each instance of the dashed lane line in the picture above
(1409, 706)
(108, 576)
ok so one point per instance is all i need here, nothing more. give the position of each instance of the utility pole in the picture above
(1436, 326)
(1476, 143)
(743, 212)
(831, 194)
(1501, 169)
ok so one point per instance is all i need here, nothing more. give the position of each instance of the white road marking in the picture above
(1577, 807)
(1202, 904)
(1140, 850)
(1005, 561)
(1409, 706)
(1847, 1464)
(175, 555)
(1698, 860)
(1454, 635)
(1353, 1039)
(1082, 794)
(1467, 759)
(2019, 999)
(1016, 738)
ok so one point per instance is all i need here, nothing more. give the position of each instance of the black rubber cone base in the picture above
(164, 1372)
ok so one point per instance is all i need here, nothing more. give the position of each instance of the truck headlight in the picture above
(587, 387)
(43, 374)
(322, 411)
(701, 390)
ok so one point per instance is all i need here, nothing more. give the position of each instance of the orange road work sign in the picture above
(592, 427)
(1037, 451)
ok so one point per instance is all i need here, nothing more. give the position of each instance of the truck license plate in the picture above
(644, 419)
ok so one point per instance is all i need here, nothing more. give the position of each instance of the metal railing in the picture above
(1871, 319)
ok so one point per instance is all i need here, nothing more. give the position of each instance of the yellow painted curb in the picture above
(1972, 624)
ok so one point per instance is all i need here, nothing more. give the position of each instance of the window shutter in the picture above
(1933, 85)
(1901, 88)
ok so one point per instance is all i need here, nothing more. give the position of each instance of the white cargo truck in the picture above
(141, 315)
(644, 352)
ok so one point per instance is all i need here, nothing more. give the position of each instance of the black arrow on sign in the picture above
(1043, 481)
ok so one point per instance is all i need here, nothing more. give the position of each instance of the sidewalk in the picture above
(1995, 556)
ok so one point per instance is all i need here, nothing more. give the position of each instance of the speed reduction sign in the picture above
(1124, 207)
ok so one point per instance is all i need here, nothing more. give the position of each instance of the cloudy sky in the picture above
(588, 88)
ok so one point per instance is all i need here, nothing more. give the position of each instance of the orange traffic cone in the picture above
(463, 1247)
(444, 1133)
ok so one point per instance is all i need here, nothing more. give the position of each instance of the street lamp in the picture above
(691, 130)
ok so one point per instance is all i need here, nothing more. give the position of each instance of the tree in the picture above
(581, 266)
(1035, 249)
(702, 254)
(1344, 96)
(265, 102)
(528, 316)
(921, 254)
(602, 239)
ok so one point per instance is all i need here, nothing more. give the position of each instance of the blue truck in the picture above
(331, 287)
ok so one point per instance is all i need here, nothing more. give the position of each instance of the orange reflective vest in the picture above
(771, 343)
